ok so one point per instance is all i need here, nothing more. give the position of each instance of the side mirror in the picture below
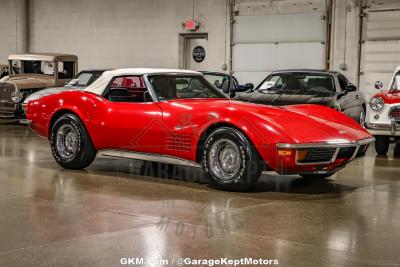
(249, 86)
(351, 88)
(378, 85)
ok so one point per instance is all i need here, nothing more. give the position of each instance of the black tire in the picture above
(80, 153)
(362, 117)
(382, 144)
(316, 176)
(240, 155)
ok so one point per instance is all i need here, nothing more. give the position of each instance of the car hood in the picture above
(277, 99)
(31, 81)
(308, 123)
(298, 123)
(51, 91)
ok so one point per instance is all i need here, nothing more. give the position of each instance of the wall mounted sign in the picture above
(199, 54)
(191, 25)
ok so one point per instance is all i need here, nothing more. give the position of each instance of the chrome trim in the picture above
(147, 157)
(326, 144)
(150, 88)
(337, 144)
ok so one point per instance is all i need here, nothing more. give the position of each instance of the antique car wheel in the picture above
(71, 145)
(316, 176)
(230, 161)
(381, 144)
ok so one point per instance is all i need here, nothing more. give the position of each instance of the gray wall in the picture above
(126, 33)
(13, 28)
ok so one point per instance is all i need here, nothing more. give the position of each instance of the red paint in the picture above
(390, 97)
(175, 127)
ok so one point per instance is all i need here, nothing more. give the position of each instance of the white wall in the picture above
(126, 33)
(345, 48)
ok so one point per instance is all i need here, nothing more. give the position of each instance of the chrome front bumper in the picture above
(337, 145)
(392, 129)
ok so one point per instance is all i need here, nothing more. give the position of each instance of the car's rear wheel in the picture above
(316, 176)
(230, 161)
(71, 145)
(382, 144)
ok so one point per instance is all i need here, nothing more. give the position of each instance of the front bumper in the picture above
(392, 129)
(318, 158)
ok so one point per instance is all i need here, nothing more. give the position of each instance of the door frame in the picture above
(184, 39)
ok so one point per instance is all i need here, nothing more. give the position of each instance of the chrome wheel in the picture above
(224, 159)
(67, 142)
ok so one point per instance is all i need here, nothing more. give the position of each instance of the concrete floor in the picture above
(55, 217)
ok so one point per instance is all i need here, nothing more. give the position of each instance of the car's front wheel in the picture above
(382, 144)
(230, 161)
(71, 145)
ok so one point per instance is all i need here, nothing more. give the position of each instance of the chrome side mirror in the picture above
(378, 85)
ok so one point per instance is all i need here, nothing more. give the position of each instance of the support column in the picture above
(22, 25)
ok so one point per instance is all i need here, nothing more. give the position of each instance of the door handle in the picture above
(357, 96)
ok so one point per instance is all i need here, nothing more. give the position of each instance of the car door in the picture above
(134, 121)
(350, 103)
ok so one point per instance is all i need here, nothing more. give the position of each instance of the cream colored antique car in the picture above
(30, 73)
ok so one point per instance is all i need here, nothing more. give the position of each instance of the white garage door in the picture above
(268, 42)
(380, 46)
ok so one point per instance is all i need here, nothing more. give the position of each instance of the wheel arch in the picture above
(58, 114)
(214, 126)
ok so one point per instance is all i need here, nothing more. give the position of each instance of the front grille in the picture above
(394, 113)
(7, 106)
(346, 152)
(362, 150)
(318, 154)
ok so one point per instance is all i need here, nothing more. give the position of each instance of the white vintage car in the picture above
(383, 118)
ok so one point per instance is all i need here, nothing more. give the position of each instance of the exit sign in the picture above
(191, 25)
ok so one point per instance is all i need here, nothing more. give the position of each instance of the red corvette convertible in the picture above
(177, 117)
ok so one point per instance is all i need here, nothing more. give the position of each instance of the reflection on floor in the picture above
(114, 209)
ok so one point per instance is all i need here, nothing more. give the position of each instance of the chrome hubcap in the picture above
(224, 159)
(67, 142)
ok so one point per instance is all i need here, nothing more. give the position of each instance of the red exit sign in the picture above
(191, 25)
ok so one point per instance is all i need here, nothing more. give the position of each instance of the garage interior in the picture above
(123, 208)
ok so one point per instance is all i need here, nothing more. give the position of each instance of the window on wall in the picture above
(129, 89)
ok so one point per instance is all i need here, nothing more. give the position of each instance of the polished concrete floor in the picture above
(114, 209)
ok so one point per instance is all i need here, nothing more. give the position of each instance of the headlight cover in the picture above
(16, 97)
(376, 103)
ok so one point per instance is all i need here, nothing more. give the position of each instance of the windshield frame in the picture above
(183, 75)
(391, 89)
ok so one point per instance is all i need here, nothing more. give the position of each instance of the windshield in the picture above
(395, 86)
(171, 86)
(299, 83)
(219, 81)
(33, 66)
(85, 78)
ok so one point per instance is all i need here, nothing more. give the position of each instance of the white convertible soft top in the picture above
(101, 83)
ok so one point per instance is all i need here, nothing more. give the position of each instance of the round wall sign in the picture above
(199, 54)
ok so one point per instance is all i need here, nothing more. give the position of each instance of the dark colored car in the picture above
(327, 88)
(227, 83)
